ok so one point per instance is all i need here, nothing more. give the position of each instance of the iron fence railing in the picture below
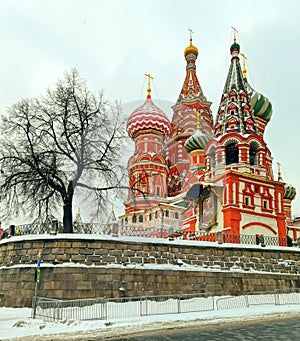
(261, 297)
(247, 239)
(57, 310)
(105, 308)
(146, 232)
(276, 297)
(45, 228)
(284, 297)
(231, 302)
(275, 241)
(110, 308)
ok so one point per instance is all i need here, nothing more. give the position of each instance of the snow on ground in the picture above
(16, 323)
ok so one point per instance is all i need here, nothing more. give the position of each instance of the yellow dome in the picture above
(191, 49)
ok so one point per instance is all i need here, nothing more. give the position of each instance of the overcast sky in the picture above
(113, 43)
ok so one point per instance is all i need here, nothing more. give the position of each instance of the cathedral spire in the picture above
(191, 97)
(235, 114)
(191, 88)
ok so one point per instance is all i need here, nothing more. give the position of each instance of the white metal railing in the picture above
(276, 297)
(104, 308)
(109, 308)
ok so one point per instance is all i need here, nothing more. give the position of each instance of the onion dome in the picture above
(289, 192)
(191, 49)
(261, 106)
(235, 47)
(148, 118)
(196, 141)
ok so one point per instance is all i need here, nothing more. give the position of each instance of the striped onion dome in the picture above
(262, 108)
(148, 118)
(289, 192)
(196, 141)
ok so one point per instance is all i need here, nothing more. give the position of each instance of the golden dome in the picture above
(191, 49)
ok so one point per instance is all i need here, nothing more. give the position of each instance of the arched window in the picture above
(167, 213)
(232, 153)
(156, 215)
(150, 216)
(176, 215)
(126, 220)
(134, 219)
(252, 156)
(141, 218)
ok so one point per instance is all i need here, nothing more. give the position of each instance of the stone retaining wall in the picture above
(83, 267)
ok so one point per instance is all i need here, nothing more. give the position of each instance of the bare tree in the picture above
(55, 145)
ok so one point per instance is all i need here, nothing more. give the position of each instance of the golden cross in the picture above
(244, 65)
(235, 31)
(197, 112)
(149, 88)
(191, 31)
(279, 170)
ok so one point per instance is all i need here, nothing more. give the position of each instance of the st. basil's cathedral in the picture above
(195, 176)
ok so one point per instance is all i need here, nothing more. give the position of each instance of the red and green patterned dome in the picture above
(148, 118)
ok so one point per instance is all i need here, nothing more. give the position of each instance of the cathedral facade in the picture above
(195, 175)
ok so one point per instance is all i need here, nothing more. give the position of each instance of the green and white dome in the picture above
(261, 106)
(196, 141)
(289, 192)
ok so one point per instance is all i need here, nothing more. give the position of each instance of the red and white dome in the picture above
(148, 118)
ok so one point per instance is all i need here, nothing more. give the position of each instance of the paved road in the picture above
(285, 330)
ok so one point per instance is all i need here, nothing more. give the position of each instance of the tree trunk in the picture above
(68, 205)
